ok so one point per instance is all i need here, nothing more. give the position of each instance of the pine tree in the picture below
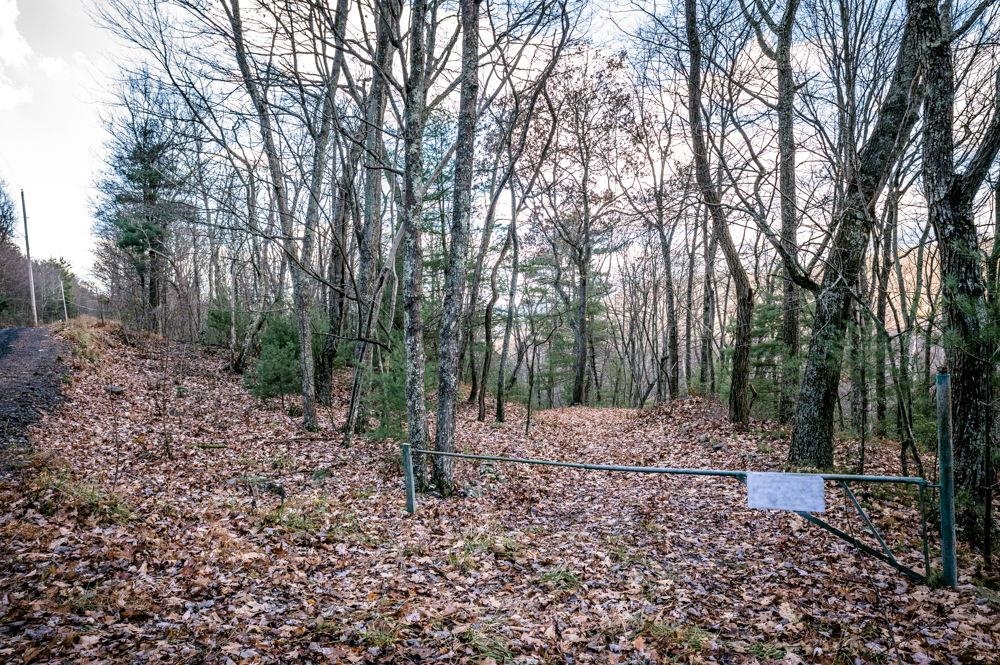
(142, 190)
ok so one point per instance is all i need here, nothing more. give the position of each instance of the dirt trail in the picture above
(31, 372)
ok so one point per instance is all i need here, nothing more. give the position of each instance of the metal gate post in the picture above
(949, 565)
(411, 497)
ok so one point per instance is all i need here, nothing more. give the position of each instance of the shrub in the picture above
(277, 370)
(220, 317)
(388, 393)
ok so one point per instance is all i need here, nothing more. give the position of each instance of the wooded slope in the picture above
(112, 549)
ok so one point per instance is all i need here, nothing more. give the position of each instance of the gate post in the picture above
(946, 479)
(411, 497)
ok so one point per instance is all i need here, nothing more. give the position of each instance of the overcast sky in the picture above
(54, 67)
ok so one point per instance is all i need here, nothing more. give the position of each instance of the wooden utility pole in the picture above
(27, 251)
(62, 291)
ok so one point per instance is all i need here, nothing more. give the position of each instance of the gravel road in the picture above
(31, 373)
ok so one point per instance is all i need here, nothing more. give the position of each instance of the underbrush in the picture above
(90, 338)
(51, 489)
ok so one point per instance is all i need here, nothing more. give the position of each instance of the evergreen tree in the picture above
(276, 371)
(142, 191)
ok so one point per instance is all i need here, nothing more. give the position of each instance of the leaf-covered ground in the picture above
(148, 526)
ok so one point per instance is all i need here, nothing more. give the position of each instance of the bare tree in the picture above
(739, 400)
(969, 342)
(812, 439)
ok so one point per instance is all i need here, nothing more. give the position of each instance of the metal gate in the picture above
(844, 481)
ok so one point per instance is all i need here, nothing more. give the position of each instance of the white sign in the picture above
(786, 491)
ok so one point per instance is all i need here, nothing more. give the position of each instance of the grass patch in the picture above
(54, 490)
(488, 646)
(687, 638)
(767, 651)
(328, 627)
(620, 552)
(860, 655)
(290, 519)
(349, 527)
(380, 634)
(301, 519)
(102, 504)
(991, 597)
(83, 344)
(82, 601)
(282, 462)
(503, 547)
(363, 492)
(462, 562)
(560, 577)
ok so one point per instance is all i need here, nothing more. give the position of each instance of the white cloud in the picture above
(52, 67)
(12, 96)
(14, 50)
(52, 73)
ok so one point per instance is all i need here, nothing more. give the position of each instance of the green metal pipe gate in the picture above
(884, 554)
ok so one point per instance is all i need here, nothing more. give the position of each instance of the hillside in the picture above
(166, 515)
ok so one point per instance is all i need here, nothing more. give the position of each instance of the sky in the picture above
(55, 65)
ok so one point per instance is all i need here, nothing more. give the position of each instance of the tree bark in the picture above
(739, 399)
(969, 347)
(789, 210)
(454, 290)
(413, 331)
(343, 195)
(298, 258)
(812, 438)
(706, 365)
(369, 295)
(509, 323)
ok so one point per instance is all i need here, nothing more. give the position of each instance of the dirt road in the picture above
(31, 372)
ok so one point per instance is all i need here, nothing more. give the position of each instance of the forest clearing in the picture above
(126, 532)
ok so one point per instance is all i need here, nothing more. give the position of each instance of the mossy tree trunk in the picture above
(812, 438)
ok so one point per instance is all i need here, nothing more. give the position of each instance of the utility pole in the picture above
(62, 290)
(27, 251)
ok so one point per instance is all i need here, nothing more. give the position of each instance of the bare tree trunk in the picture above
(706, 366)
(689, 309)
(789, 210)
(509, 324)
(322, 141)
(580, 333)
(859, 387)
(413, 331)
(454, 293)
(739, 399)
(488, 326)
(969, 347)
(335, 276)
(298, 259)
(672, 333)
(812, 438)
(881, 308)
(369, 296)
(338, 252)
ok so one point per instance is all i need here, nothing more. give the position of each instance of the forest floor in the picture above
(146, 526)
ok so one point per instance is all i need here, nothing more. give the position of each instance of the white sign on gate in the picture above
(786, 491)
